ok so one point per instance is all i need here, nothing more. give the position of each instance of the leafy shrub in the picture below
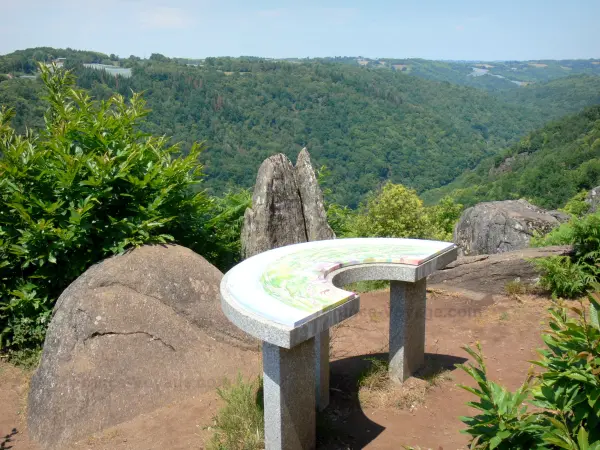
(88, 186)
(339, 219)
(225, 227)
(586, 239)
(503, 422)
(570, 276)
(563, 277)
(577, 206)
(397, 211)
(239, 425)
(566, 394)
(561, 235)
(443, 217)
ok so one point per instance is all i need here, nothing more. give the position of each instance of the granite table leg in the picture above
(289, 400)
(322, 369)
(407, 328)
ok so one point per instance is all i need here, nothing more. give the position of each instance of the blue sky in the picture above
(433, 29)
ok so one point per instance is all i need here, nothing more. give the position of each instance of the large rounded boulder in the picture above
(133, 333)
(504, 226)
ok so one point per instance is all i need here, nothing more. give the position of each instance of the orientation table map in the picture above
(288, 285)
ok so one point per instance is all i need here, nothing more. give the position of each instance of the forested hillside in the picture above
(558, 97)
(489, 75)
(548, 166)
(366, 125)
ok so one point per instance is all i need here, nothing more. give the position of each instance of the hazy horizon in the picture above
(461, 31)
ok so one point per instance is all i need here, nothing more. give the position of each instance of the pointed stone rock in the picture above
(315, 217)
(276, 218)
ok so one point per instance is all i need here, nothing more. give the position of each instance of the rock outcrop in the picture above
(133, 333)
(507, 164)
(313, 208)
(593, 199)
(497, 227)
(287, 206)
(490, 273)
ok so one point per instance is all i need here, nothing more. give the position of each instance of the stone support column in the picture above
(322, 369)
(407, 328)
(289, 396)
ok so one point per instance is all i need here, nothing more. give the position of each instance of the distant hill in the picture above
(548, 166)
(25, 61)
(489, 75)
(559, 96)
(365, 124)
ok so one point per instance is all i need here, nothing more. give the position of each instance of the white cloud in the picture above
(164, 17)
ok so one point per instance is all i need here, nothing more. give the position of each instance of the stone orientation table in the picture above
(290, 296)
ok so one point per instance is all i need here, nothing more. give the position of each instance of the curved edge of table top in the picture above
(290, 286)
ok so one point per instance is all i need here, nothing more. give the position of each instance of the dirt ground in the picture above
(508, 329)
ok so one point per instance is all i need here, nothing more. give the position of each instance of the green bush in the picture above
(443, 217)
(561, 235)
(566, 394)
(564, 277)
(339, 219)
(570, 276)
(225, 228)
(577, 206)
(397, 211)
(88, 186)
(586, 239)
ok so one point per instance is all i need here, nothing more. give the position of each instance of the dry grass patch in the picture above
(377, 390)
(437, 379)
(517, 288)
(435, 292)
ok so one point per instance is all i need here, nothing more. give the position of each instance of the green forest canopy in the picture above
(367, 125)
(548, 166)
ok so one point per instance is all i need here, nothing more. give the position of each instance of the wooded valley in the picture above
(367, 124)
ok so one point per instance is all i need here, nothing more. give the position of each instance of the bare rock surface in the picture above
(503, 226)
(133, 333)
(313, 208)
(593, 199)
(490, 273)
(287, 206)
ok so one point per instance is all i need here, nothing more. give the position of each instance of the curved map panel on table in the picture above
(289, 285)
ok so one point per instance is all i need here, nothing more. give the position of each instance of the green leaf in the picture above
(582, 439)
(495, 442)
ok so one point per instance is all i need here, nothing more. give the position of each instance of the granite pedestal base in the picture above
(407, 328)
(289, 383)
(322, 369)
